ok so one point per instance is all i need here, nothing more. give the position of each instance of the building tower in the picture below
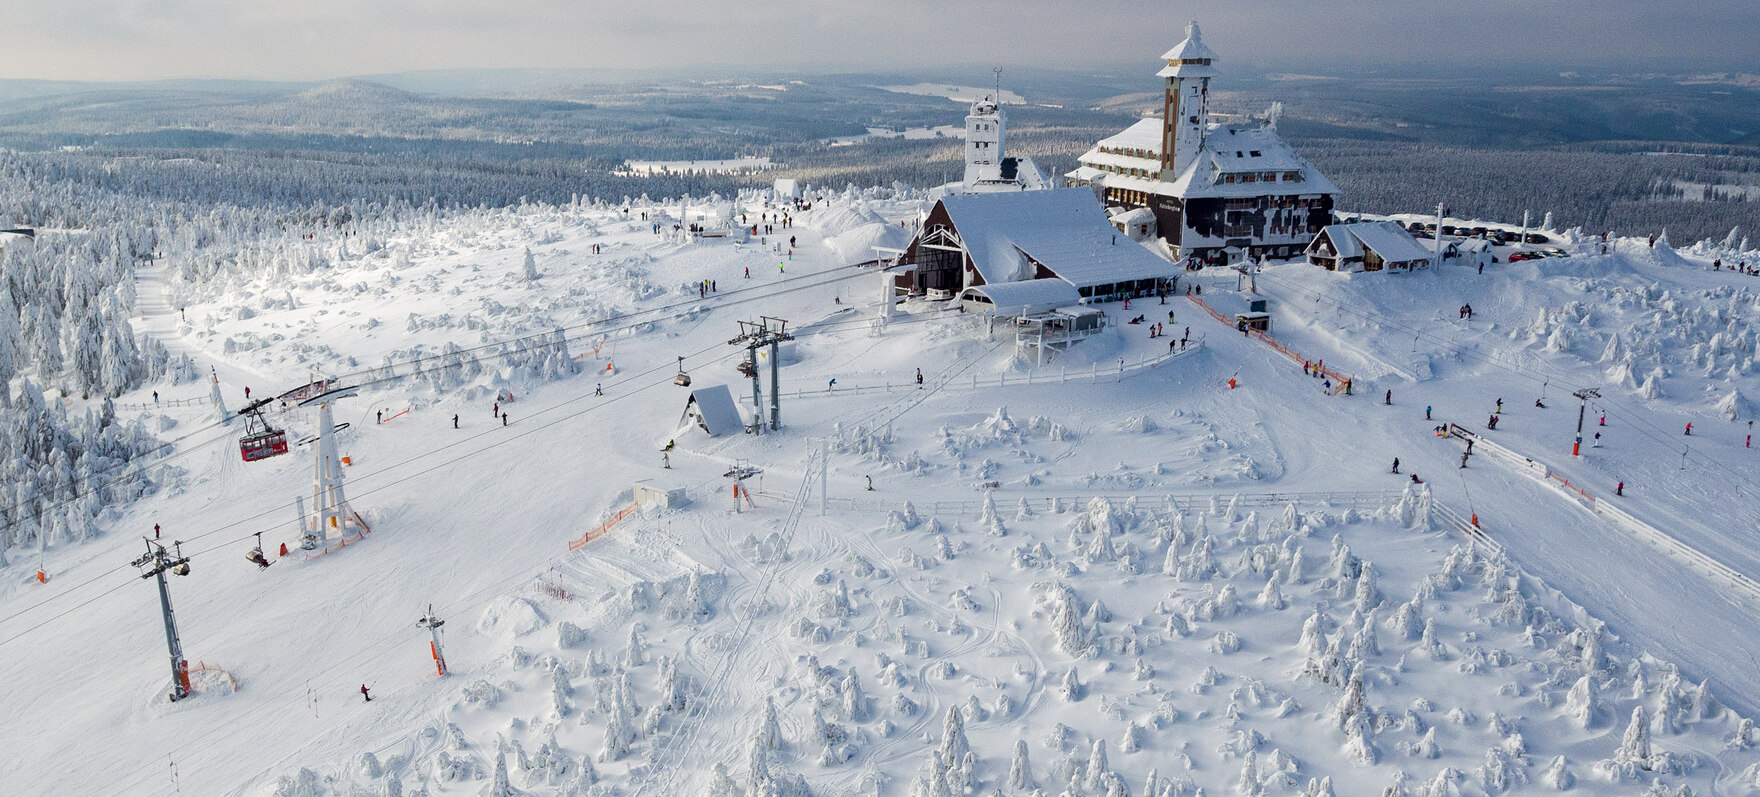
(1185, 112)
(984, 127)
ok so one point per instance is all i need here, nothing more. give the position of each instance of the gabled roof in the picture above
(1386, 239)
(713, 408)
(1228, 149)
(1065, 229)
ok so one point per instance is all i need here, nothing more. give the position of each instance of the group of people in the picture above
(1740, 267)
(1467, 311)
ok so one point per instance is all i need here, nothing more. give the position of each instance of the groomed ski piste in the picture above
(1112, 574)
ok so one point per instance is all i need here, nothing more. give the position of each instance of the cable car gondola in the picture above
(261, 441)
(683, 379)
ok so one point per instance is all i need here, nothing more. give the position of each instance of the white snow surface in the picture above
(1155, 582)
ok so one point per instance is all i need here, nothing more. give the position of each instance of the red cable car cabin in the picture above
(263, 446)
(261, 441)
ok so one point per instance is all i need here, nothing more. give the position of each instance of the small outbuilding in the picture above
(787, 188)
(713, 410)
(1367, 246)
(1028, 297)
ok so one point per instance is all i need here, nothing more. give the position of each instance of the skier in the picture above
(791, 242)
(496, 410)
(155, 531)
(1416, 480)
(1597, 440)
(1689, 429)
(1426, 413)
(504, 419)
(1491, 424)
(1388, 399)
(155, 397)
(247, 392)
(378, 416)
(1463, 459)
(748, 272)
(364, 695)
(1604, 419)
(1395, 465)
(599, 389)
(1500, 406)
(833, 384)
(1539, 403)
(919, 379)
(455, 420)
(780, 269)
(1620, 490)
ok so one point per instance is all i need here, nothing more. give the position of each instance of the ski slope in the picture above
(1047, 609)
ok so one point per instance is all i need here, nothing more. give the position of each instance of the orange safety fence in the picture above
(603, 527)
(1338, 379)
(346, 541)
(202, 666)
(1573, 488)
(554, 590)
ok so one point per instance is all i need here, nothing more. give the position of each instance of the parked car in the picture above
(1536, 238)
(1517, 257)
(1556, 252)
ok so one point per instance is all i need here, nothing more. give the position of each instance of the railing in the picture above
(602, 528)
(1077, 502)
(1339, 381)
(1668, 543)
(1122, 370)
(146, 406)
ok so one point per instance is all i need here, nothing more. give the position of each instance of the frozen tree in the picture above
(1071, 688)
(636, 653)
(1098, 766)
(1634, 746)
(1020, 771)
(1583, 703)
(769, 734)
(855, 703)
(1558, 775)
(531, 266)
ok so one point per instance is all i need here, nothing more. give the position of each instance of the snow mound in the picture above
(857, 245)
(511, 616)
(838, 219)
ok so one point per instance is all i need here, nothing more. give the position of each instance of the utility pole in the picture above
(432, 623)
(154, 564)
(1584, 395)
(1440, 210)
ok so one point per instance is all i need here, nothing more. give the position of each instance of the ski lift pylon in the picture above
(683, 379)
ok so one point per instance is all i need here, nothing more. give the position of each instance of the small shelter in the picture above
(787, 188)
(650, 496)
(712, 409)
(1367, 246)
(1028, 297)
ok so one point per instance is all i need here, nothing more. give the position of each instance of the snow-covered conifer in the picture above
(1020, 771)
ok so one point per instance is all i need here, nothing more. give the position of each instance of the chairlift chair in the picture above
(683, 379)
(261, 440)
(255, 556)
(748, 369)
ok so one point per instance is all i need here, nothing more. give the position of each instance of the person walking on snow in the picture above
(1689, 429)
(378, 416)
(1500, 406)
(247, 392)
(155, 531)
(455, 420)
(919, 379)
(1604, 419)
(1388, 399)
(1426, 413)
(1464, 456)
(1395, 465)
(364, 695)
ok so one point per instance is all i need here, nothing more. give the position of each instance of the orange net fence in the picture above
(1339, 381)
(603, 527)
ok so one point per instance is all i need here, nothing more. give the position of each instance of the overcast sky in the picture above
(320, 39)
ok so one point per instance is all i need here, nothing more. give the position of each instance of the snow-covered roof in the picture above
(1027, 296)
(1144, 134)
(1180, 60)
(1020, 175)
(1386, 239)
(1141, 215)
(714, 410)
(1065, 229)
(1230, 149)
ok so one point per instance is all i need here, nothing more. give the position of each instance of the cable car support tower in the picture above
(331, 518)
(154, 564)
(755, 335)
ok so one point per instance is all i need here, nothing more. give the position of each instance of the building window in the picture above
(1228, 178)
(1249, 177)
